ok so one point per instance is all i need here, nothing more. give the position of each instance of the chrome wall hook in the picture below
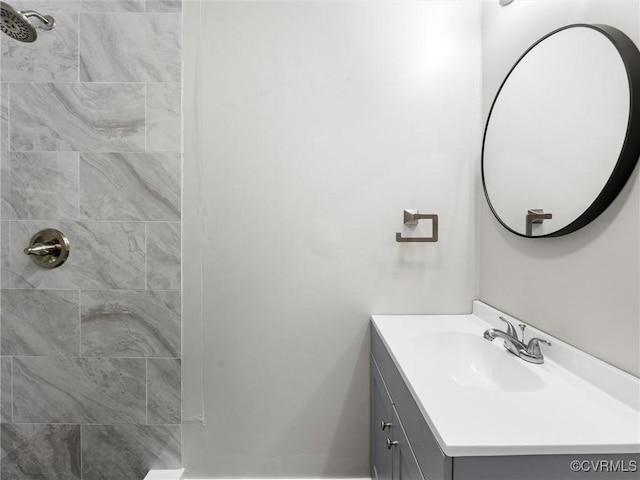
(49, 248)
(412, 217)
(535, 216)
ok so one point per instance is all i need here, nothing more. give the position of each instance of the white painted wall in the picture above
(583, 288)
(309, 127)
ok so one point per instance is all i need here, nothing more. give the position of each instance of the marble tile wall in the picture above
(90, 144)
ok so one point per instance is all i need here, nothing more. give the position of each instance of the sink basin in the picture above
(480, 400)
(470, 361)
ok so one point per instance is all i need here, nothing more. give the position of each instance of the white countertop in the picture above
(571, 404)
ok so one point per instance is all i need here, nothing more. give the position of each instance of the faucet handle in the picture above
(533, 347)
(522, 328)
(511, 331)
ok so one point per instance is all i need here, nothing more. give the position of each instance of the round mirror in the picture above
(563, 133)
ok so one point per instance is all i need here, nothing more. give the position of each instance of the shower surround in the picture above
(91, 145)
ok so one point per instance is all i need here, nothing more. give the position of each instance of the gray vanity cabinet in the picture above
(405, 465)
(417, 455)
(391, 455)
(381, 415)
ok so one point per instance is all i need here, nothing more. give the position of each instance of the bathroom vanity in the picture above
(448, 404)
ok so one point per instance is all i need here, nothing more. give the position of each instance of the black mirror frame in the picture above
(630, 149)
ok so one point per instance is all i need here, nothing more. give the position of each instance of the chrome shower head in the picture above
(17, 25)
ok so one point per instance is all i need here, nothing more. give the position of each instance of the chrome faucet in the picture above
(529, 352)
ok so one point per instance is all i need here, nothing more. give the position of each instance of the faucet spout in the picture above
(490, 334)
(510, 343)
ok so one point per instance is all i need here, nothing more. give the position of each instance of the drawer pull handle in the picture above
(384, 425)
(391, 443)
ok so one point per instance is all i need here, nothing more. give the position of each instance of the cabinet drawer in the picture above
(381, 411)
(433, 463)
(405, 464)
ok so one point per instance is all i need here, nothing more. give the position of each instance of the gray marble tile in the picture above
(5, 242)
(52, 58)
(40, 452)
(78, 390)
(163, 117)
(102, 255)
(130, 323)
(163, 256)
(117, 452)
(77, 116)
(5, 390)
(40, 185)
(113, 5)
(130, 186)
(4, 117)
(130, 48)
(164, 390)
(40, 322)
(164, 5)
(49, 7)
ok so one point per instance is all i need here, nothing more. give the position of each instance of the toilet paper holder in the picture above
(412, 217)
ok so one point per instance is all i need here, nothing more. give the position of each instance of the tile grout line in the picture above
(71, 289)
(79, 322)
(146, 391)
(40, 220)
(146, 118)
(9, 261)
(79, 55)
(78, 188)
(86, 357)
(8, 120)
(11, 374)
(100, 424)
(96, 151)
(146, 257)
(81, 451)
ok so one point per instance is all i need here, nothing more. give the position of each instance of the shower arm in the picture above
(48, 21)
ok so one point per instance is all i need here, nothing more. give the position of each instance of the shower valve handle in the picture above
(49, 248)
(41, 249)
